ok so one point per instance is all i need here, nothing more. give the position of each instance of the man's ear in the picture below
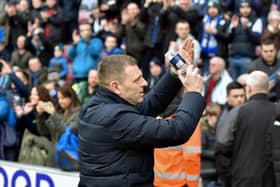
(115, 87)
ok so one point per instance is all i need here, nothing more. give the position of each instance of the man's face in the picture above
(183, 30)
(85, 31)
(215, 66)
(36, 3)
(132, 87)
(96, 12)
(133, 10)
(93, 79)
(236, 97)
(20, 42)
(64, 102)
(268, 53)
(51, 3)
(213, 11)
(155, 70)
(245, 10)
(34, 65)
(185, 4)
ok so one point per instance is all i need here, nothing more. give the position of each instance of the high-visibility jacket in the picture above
(179, 165)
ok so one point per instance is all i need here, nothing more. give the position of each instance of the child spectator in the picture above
(156, 71)
(58, 63)
(111, 46)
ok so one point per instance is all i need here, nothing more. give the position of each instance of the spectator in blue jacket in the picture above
(84, 51)
(111, 47)
(8, 138)
(58, 63)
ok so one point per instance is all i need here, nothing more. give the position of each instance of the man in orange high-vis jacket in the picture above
(180, 165)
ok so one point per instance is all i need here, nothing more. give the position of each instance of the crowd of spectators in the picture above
(50, 50)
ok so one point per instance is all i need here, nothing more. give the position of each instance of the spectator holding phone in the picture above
(66, 115)
(29, 139)
(118, 129)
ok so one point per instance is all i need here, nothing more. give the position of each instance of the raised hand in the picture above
(234, 21)
(192, 80)
(187, 51)
(75, 37)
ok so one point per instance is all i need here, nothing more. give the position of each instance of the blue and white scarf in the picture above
(209, 46)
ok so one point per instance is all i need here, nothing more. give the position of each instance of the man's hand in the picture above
(209, 29)
(234, 21)
(125, 18)
(187, 51)
(244, 22)
(173, 45)
(192, 81)
(75, 37)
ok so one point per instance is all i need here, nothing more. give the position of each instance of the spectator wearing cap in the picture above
(244, 34)
(275, 5)
(58, 63)
(259, 6)
(21, 55)
(209, 41)
(156, 71)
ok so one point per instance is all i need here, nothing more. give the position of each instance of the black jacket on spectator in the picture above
(273, 148)
(243, 42)
(148, 16)
(260, 65)
(244, 143)
(70, 17)
(55, 24)
(134, 37)
(116, 139)
(43, 50)
(18, 25)
(222, 37)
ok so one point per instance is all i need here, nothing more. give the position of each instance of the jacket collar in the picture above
(104, 95)
(260, 96)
